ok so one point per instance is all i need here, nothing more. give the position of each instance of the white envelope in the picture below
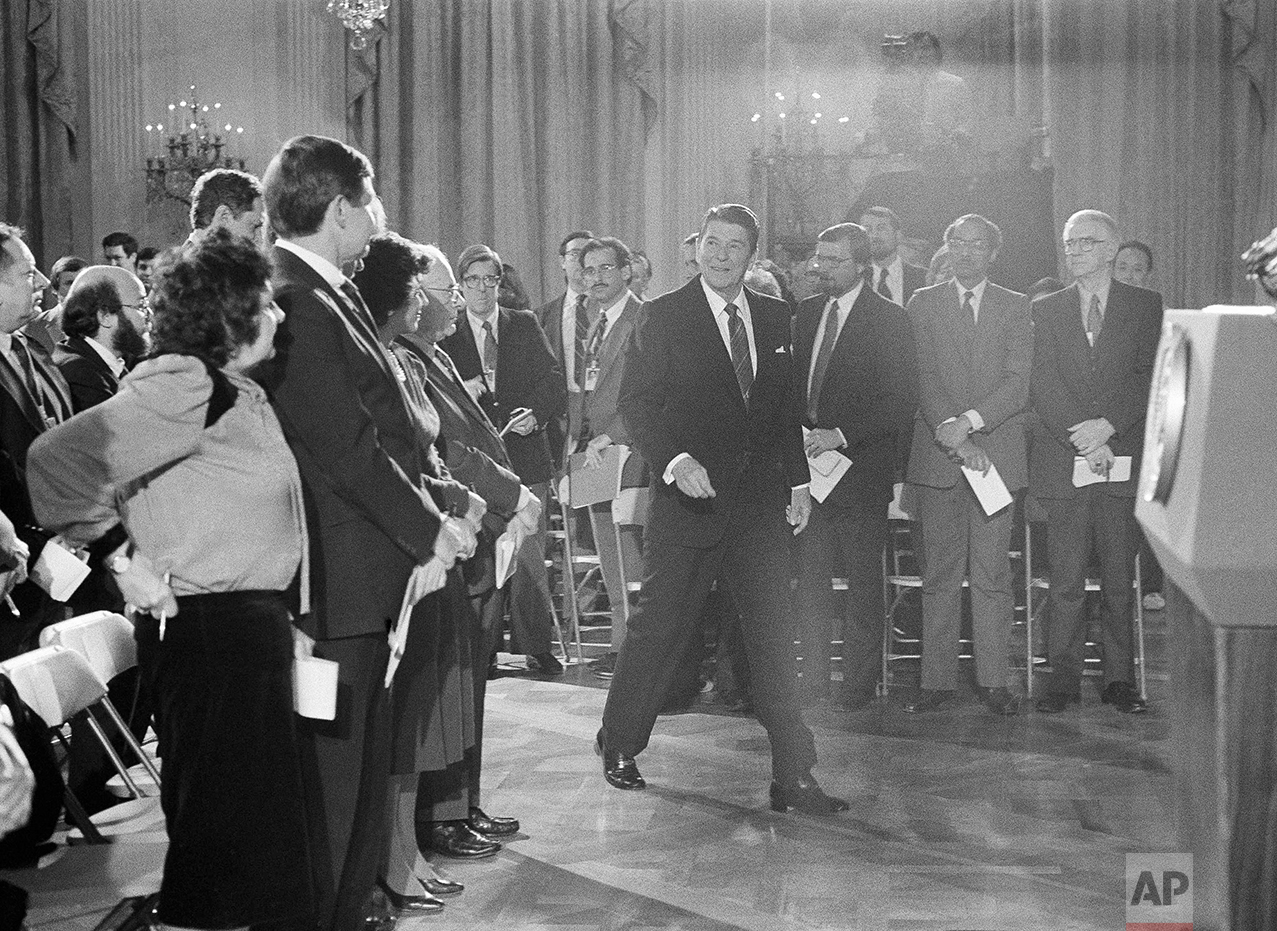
(826, 471)
(1083, 476)
(58, 571)
(507, 548)
(989, 489)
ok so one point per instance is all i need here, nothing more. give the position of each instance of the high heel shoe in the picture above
(410, 903)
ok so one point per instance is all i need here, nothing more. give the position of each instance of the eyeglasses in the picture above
(481, 281)
(1085, 244)
(143, 307)
(967, 245)
(598, 271)
(452, 292)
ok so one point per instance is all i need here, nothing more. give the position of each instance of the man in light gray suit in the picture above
(596, 424)
(975, 352)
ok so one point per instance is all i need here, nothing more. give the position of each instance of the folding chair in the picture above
(57, 684)
(106, 640)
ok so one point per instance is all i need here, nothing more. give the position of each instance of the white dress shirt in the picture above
(476, 327)
(844, 303)
(718, 304)
(327, 270)
(1085, 302)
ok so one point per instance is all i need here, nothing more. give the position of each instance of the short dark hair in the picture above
(736, 214)
(852, 233)
(579, 234)
(991, 228)
(1141, 247)
(512, 293)
(80, 312)
(68, 263)
(472, 255)
(236, 189)
(305, 176)
(385, 281)
(883, 213)
(620, 249)
(206, 297)
(7, 232)
(147, 254)
(127, 240)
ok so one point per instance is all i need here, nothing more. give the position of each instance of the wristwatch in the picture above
(119, 563)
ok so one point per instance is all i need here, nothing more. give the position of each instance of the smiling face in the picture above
(724, 252)
(270, 316)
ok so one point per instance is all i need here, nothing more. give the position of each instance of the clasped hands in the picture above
(594, 450)
(1090, 439)
(955, 436)
(820, 440)
(692, 480)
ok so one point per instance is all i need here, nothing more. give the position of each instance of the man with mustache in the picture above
(105, 321)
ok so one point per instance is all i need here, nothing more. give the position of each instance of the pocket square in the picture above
(781, 349)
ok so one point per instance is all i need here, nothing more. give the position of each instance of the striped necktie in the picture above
(740, 351)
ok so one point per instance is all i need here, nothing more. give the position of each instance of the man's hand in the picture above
(974, 458)
(429, 577)
(1090, 435)
(525, 425)
(952, 433)
(1101, 460)
(15, 552)
(475, 387)
(529, 516)
(454, 540)
(594, 450)
(821, 440)
(145, 589)
(799, 510)
(303, 644)
(692, 479)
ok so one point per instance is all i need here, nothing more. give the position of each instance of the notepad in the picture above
(1083, 476)
(585, 485)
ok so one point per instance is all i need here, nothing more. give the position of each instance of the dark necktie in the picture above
(352, 294)
(968, 307)
(46, 400)
(489, 356)
(883, 288)
(740, 351)
(1094, 319)
(823, 355)
(582, 335)
(594, 342)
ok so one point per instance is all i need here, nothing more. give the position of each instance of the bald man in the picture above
(105, 322)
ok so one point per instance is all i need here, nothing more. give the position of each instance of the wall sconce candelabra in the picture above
(193, 146)
(360, 17)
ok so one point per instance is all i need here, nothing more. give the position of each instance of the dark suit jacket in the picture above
(869, 391)
(550, 316)
(370, 516)
(1067, 389)
(961, 367)
(679, 394)
(527, 376)
(89, 377)
(912, 277)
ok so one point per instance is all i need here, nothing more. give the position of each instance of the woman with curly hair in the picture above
(183, 478)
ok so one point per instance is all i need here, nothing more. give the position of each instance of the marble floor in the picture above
(958, 821)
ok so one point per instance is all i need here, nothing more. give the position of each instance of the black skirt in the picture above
(232, 789)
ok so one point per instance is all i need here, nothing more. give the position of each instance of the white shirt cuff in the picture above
(977, 422)
(668, 476)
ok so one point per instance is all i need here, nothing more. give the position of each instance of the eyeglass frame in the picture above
(481, 282)
(597, 271)
(1082, 244)
(452, 292)
(968, 245)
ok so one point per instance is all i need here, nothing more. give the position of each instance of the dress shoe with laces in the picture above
(490, 826)
(618, 769)
(1124, 698)
(927, 700)
(1000, 701)
(458, 840)
(406, 902)
(1055, 702)
(804, 794)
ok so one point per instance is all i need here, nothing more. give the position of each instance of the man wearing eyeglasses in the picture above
(855, 373)
(566, 321)
(106, 320)
(975, 348)
(1094, 345)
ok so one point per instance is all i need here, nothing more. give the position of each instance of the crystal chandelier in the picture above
(360, 17)
(194, 146)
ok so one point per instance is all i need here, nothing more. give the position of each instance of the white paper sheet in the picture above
(989, 489)
(826, 470)
(507, 548)
(58, 571)
(1083, 476)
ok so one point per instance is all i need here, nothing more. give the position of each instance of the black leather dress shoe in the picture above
(805, 795)
(1055, 702)
(1000, 701)
(456, 839)
(489, 826)
(437, 885)
(1124, 698)
(379, 914)
(618, 769)
(927, 700)
(421, 904)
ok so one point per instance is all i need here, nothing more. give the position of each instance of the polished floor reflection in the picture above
(958, 820)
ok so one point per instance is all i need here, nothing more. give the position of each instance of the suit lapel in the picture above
(15, 385)
(616, 337)
(704, 330)
(80, 347)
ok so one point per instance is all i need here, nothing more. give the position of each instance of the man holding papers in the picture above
(708, 399)
(855, 374)
(1094, 344)
(975, 350)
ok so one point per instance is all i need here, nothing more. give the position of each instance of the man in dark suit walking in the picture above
(1094, 345)
(975, 346)
(855, 372)
(104, 321)
(33, 397)
(371, 519)
(708, 397)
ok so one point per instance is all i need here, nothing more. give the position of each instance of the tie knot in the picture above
(970, 296)
(487, 327)
(731, 310)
